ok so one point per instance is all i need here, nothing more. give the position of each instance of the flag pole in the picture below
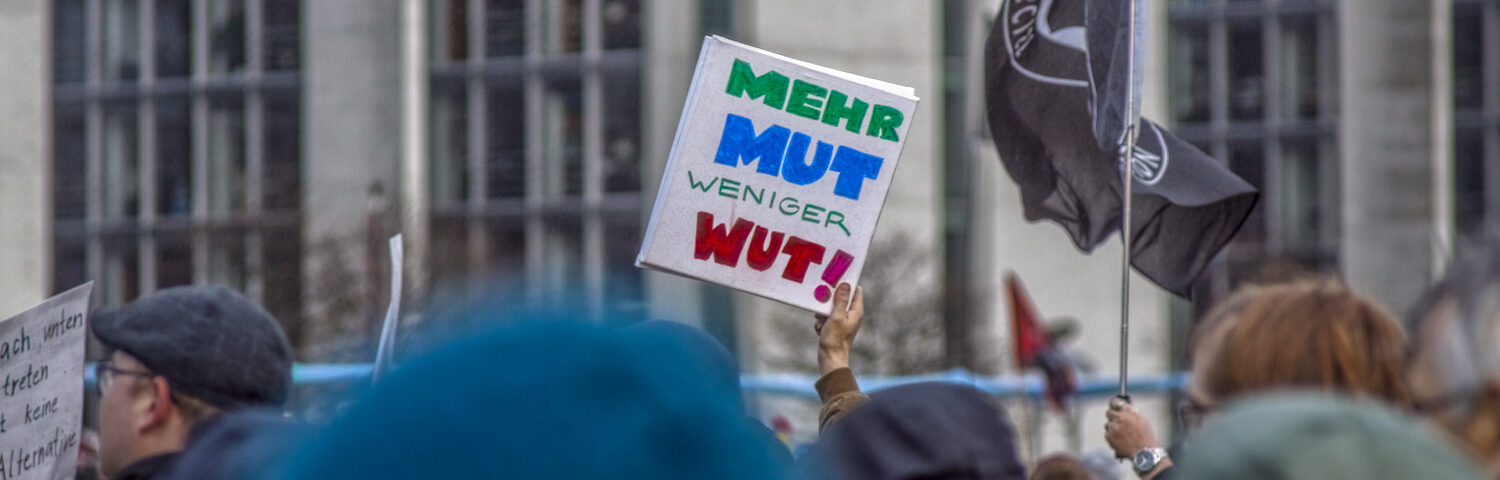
(1129, 162)
(1126, 179)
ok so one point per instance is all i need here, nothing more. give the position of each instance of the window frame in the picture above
(146, 231)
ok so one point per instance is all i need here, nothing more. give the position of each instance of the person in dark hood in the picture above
(240, 445)
(930, 430)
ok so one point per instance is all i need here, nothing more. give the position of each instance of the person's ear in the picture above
(156, 405)
(1490, 393)
(1484, 420)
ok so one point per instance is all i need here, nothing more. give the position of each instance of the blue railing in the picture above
(1007, 386)
(801, 385)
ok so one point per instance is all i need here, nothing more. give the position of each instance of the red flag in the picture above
(1030, 337)
(1034, 348)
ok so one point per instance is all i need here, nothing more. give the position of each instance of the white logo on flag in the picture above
(1146, 166)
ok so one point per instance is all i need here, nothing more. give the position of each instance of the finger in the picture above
(857, 306)
(1112, 415)
(1117, 403)
(841, 298)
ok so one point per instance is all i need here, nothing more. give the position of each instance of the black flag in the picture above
(1114, 65)
(1186, 205)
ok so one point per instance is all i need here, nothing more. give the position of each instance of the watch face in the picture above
(1145, 460)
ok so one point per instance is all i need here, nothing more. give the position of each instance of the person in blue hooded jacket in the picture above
(556, 400)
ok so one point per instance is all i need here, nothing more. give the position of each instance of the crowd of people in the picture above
(1294, 379)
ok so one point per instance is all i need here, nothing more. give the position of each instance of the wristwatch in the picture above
(1147, 459)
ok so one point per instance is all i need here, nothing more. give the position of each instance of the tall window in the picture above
(1476, 106)
(177, 147)
(536, 142)
(1253, 83)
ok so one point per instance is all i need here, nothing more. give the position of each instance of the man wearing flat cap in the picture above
(179, 357)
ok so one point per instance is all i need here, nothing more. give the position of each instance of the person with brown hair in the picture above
(1453, 364)
(1307, 334)
(1061, 466)
(1302, 335)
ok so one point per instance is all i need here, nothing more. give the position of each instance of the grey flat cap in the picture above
(209, 343)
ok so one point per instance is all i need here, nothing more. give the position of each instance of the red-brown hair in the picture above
(1311, 334)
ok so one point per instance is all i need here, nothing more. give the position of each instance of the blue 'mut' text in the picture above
(777, 151)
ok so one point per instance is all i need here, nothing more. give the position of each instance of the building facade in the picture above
(175, 147)
(1368, 125)
(259, 144)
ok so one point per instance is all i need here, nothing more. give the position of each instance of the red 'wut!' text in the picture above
(726, 244)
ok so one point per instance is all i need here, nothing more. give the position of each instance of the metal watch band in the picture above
(1144, 465)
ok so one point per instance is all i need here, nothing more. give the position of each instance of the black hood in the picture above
(920, 431)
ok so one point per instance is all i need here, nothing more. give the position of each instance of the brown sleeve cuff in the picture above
(840, 395)
(835, 383)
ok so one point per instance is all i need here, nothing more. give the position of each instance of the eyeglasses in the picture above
(1191, 413)
(1455, 398)
(105, 373)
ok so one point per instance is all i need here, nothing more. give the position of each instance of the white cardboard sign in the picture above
(41, 399)
(777, 175)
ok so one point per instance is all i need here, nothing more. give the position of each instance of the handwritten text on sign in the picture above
(41, 399)
(781, 152)
(778, 175)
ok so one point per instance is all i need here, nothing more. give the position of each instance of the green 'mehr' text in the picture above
(813, 101)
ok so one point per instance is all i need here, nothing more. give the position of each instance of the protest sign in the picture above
(387, 347)
(41, 399)
(777, 175)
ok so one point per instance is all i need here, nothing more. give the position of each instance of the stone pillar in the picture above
(1393, 144)
(351, 109)
(25, 154)
(670, 45)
